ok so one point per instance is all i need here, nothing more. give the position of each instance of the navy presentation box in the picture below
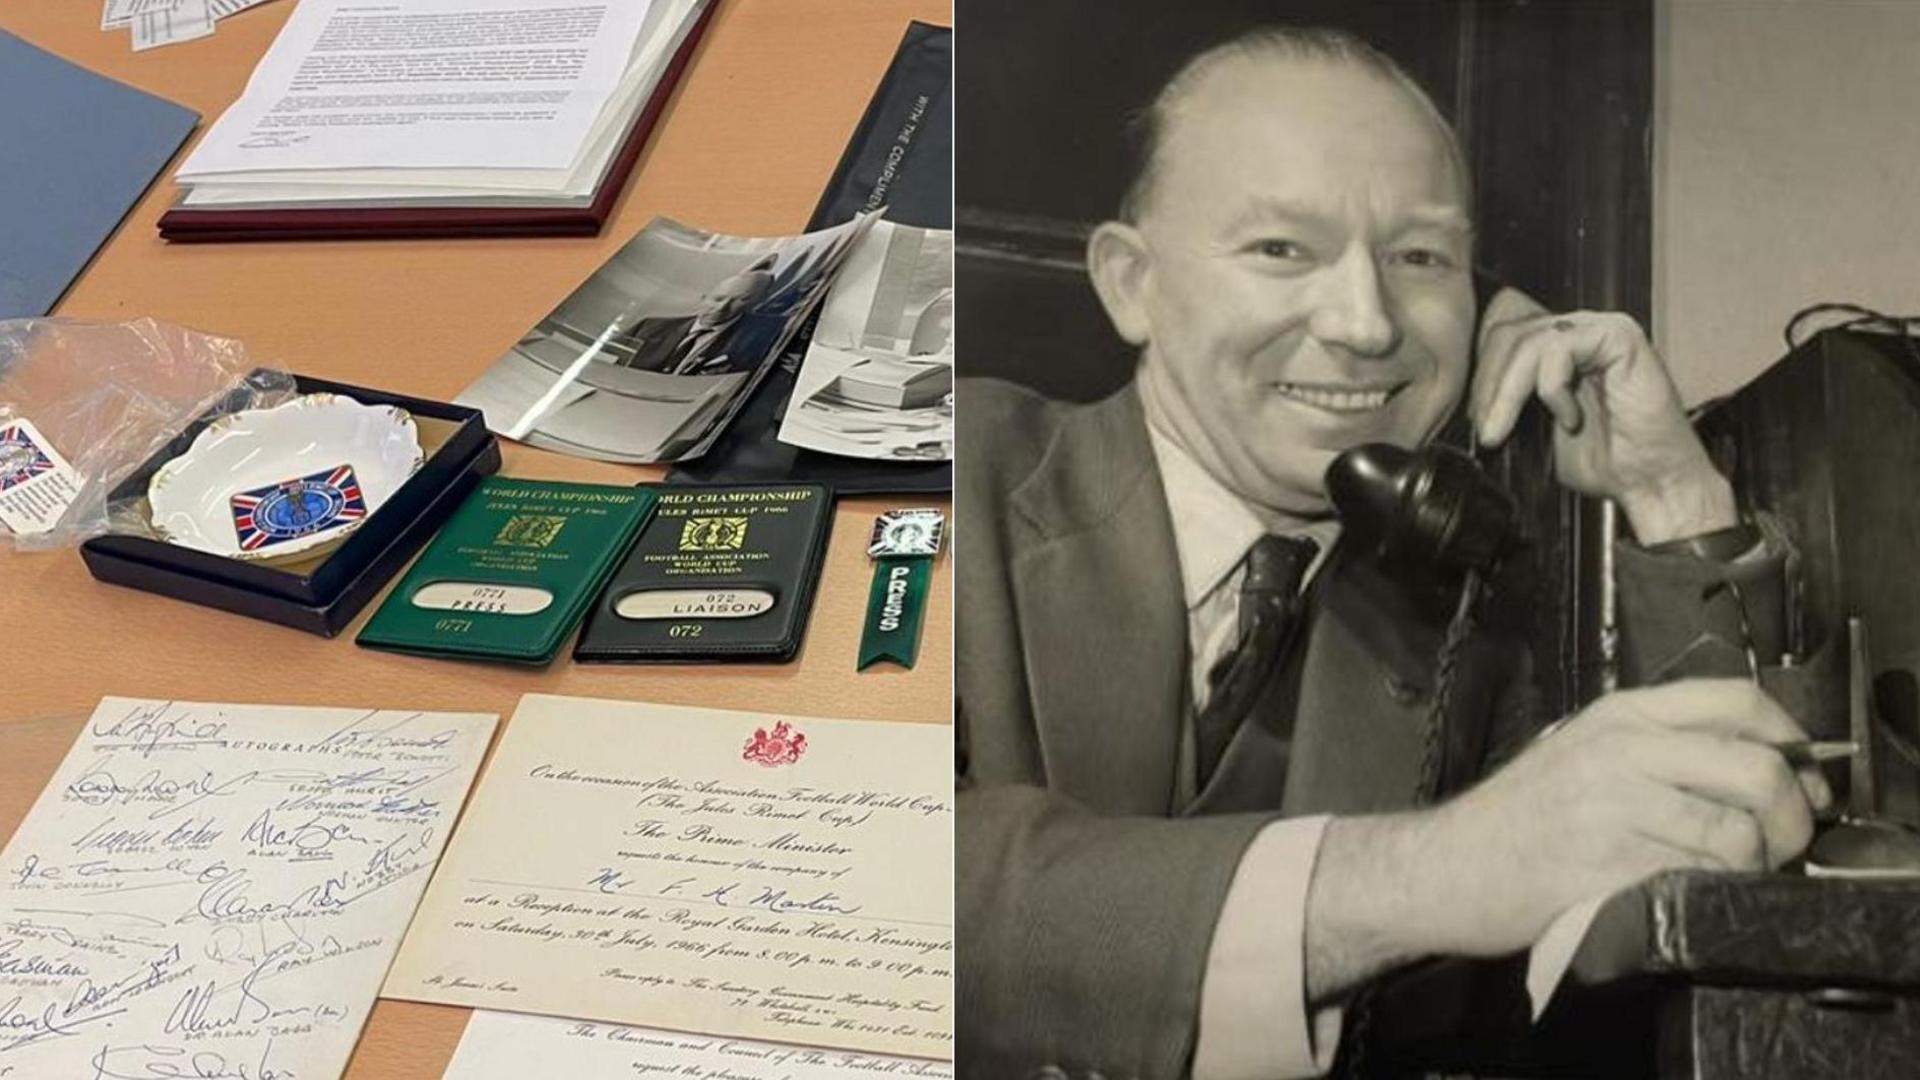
(323, 596)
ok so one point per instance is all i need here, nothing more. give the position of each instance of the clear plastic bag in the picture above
(84, 404)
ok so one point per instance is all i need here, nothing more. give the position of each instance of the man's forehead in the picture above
(1247, 110)
(1281, 80)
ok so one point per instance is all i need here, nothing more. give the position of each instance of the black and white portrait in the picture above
(651, 356)
(1413, 620)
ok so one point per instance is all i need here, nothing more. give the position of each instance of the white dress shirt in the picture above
(1254, 1022)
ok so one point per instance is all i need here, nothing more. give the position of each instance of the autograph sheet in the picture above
(217, 890)
(723, 873)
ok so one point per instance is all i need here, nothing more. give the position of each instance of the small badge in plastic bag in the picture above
(85, 404)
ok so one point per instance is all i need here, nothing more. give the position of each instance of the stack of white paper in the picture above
(438, 103)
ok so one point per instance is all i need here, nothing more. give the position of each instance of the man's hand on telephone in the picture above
(1685, 775)
(1620, 431)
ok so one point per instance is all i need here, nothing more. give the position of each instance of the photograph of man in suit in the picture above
(1193, 729)
(682, 344)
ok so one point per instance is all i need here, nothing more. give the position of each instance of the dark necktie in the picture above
(1270, 610)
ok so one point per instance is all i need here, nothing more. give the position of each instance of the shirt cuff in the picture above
(1254, 1019)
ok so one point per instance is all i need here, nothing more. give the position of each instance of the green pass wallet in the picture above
(513, 571)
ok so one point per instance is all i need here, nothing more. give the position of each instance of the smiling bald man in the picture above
(1194, 726)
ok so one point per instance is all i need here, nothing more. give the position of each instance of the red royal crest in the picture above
(781, 746)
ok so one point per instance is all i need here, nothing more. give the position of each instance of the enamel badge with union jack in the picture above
(21, 458)
(277, 513)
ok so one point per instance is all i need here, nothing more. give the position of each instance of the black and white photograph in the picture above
(424, 660)
(1436, 528)
(877, 379)
(648, 359)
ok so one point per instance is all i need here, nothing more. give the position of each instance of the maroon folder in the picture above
(210, 226)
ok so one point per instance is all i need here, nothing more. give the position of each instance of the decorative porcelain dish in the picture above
(270, 484)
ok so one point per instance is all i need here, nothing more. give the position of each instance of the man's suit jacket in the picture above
(654, 341)
(1091, 871)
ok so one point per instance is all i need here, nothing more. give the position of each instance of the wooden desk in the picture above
(746, 147)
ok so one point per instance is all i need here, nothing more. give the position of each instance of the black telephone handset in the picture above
(1430, 512)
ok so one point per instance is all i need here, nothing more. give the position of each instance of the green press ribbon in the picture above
(896, 606)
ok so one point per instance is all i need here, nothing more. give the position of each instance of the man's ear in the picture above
(1119, 264)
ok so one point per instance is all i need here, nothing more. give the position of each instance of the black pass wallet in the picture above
(719, 573)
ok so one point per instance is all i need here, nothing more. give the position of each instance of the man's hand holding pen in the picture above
(1697, 774)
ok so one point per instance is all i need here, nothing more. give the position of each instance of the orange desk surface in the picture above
(746, 146)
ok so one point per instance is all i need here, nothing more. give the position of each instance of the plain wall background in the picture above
(1786, 172)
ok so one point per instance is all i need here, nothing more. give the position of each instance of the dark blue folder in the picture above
(76, 152)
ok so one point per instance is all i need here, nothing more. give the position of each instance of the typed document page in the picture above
(424, 84)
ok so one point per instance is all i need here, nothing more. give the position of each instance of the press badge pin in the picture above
(903, 547)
